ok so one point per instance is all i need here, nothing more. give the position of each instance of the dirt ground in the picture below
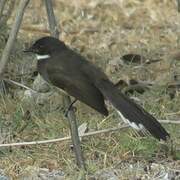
(102, 31)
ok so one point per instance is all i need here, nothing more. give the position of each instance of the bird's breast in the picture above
(42, 69)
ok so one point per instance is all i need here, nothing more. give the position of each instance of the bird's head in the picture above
(44, 47)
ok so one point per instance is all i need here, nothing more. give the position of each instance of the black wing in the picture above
(77, 85)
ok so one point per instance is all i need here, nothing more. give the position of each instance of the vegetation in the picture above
(102, 32)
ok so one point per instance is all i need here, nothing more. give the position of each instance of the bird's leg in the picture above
(69, 108)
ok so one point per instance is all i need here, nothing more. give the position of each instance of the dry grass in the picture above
(102, 31)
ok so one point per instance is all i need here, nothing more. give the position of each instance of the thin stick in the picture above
(71, 115)
(64, 138)
(169, 121)
(51, 19)
(175, 170)
(84, 135)
(106, 118)
(35, 30)
(172, 113)
(178, 5)
(13, 35)
(2, 4)
(19, 84)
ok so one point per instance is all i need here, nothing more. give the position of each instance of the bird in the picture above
(68, 70)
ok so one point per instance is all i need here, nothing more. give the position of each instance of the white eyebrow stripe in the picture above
(39, 57)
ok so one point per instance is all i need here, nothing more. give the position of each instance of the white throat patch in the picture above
(39, 57)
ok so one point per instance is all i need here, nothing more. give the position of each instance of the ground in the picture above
(102, 31)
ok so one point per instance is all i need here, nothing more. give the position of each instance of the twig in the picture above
(19, 84)
(172, 113)
(74, 134)
(106, 118)
(2, 4)
(71, 115)
(64, 138)
(9, 10)
(2, 87)
(51, 19)
(13, 35)
(178, 5)
(35, 30)
(175, 170)
(84, 135)
(169, 121)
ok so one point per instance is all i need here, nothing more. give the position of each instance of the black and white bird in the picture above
(68, 70)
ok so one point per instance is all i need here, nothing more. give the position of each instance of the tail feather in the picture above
(131, 112)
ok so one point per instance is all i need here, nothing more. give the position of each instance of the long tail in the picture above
(135, 115)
